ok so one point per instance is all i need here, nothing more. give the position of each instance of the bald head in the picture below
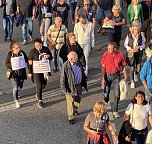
(72, 57)
(58, 21)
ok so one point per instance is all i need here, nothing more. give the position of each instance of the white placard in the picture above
(18, 63)
(42, 66)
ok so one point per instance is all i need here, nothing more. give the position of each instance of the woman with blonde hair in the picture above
(72, 45)
(115, 19)
(17, 72)
(96, 123)
(134, 44)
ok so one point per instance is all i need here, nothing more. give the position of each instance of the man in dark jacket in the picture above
(9, 10)
(72, 80)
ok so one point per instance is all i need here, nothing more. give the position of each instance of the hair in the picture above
(38, 40)
(132, 28)
(58, 19)
(114, 44)
(134, 101)
(86, 1)
(12, 44)
(72, 54)
(69, 35)
(99, 107)
(116, 6)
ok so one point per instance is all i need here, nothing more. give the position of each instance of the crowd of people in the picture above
(69, 54)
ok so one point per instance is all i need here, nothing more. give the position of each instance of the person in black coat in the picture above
(72, 45)
(16, 72)
(38, 53)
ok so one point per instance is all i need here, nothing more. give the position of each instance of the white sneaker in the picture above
(31, 39)
(116, 114)
(17, 104)
(42, 38)
(132, 85)
(24, 42)
(135, 77)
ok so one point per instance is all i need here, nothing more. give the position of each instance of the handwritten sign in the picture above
(18, 63)
(42, 66)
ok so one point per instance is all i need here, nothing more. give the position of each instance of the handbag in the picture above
(8, 73)
(52, 46)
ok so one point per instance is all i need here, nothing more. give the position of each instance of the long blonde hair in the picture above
(99, 107)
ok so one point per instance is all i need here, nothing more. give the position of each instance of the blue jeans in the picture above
(8, 22)
(92, 141)
(17, 84)
(100, 14)
(73, 7)
(148, 93)
(115, 79)
(57, 61)
(27, 27)
(86, 50)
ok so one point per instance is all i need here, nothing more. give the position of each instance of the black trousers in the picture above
(40, 83)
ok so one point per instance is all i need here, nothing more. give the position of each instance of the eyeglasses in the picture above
(117, 9)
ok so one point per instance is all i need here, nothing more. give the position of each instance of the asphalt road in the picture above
(31, 125)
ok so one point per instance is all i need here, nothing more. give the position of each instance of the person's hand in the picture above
(53, 42)
(94, 133)
(29, 75)
(125, 78)
(46, 56)
(30, 62)
(103, 83)
(115, 139)
(33, 17)
(134, 50)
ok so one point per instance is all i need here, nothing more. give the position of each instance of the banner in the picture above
(42, 66)
(18, 63)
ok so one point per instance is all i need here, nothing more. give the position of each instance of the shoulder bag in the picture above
(52, 46)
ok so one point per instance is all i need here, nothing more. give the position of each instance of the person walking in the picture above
(96, 123)
(62, 10)
(44, 12)
(72, 45)
(72, 79)
(146, 78)
(16, 62)
(116, 19)
(135, 14)
(113, 64)
(56, 36)
(28, 9)
(84, 33)
(38, 53)
(138, 113)
(134, 44)
(9, 11)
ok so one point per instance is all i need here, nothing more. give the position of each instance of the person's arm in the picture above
(88, 130)
(143, 42)
(76, 13)
(103, 82)
(113, 133)
(108, 21)
(33, 12)
(49, 37)
(143, 75)
(150, 120)
(94, 22)
(121, 23)
(141, 14)
(92, 36)
(62, 79)
(8, 61)
(126, 44)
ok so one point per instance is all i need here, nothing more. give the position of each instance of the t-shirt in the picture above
(8, 7)
(149, 137)
(88, 14)
(139, 115)
(116, 19)
(62, 10)
(97, 124)
(26, 7)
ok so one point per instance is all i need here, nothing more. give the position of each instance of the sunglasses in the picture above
(117, 9)
(86, 4)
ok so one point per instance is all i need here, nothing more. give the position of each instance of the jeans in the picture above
(73, 7)
(27, 27)
(17, 84)
(8, 22)
(45, 24)
(57, 61)
(115, 79)
(101, 13)
(92, 141)
(86, 50)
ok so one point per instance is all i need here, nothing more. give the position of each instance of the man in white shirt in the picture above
(84, 32)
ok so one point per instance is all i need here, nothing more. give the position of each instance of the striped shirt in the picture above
(53, 32)
(77, 73)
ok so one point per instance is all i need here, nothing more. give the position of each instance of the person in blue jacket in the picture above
(146, 78)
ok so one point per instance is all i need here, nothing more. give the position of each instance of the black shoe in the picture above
(10, 39)
(106, 99)
(71, 122)
(5, 38)
(40, 104)
(76, 112)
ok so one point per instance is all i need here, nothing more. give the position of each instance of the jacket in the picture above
(130, 14)
(67, 79)
(13, 7)
(19, 19)
(40, 14)
(20, 72)
(146, 73)
(66, 48)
